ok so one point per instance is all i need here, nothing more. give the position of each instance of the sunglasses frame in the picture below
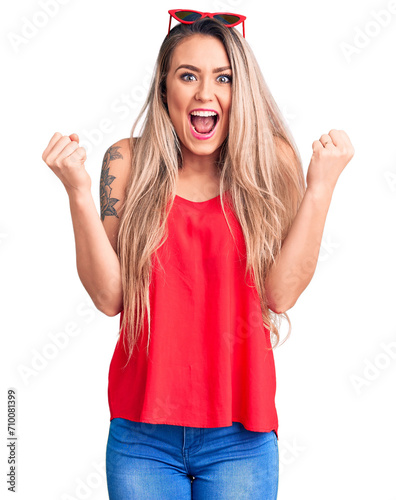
(173, 13)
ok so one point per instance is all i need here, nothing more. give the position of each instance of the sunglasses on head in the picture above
(189, 16)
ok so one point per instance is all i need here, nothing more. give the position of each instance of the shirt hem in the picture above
(272, 427)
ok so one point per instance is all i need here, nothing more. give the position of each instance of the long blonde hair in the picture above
(259, 164)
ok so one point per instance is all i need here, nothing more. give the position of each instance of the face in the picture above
(206, 86)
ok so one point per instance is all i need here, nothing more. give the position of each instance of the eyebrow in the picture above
(194, 68)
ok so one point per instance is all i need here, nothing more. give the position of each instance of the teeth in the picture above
(203, 113)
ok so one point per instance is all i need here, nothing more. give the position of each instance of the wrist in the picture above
(79, 197)
(321, 192)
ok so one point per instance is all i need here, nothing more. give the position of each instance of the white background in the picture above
(336, 416)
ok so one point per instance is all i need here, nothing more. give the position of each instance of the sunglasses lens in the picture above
(187, 15)
(227, 19)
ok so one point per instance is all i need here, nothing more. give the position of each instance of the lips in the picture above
(197, 134)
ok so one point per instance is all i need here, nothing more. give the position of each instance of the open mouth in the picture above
(203, 125)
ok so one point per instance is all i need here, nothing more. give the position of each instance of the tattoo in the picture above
(106, 202)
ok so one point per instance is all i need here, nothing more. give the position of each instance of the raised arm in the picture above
(98, 266)
(297, 260)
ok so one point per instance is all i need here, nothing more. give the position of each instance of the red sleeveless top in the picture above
(207, 365)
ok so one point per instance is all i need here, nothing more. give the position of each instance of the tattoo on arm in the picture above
(106, 202)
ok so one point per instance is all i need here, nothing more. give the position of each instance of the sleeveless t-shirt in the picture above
(210, 360)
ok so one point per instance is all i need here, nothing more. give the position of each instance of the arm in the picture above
(98, 265)
(297, 260)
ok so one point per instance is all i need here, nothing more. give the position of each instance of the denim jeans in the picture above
(160, 462)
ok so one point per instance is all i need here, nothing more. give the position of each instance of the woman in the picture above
(208, 234)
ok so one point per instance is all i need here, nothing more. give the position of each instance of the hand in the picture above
(66, 159)
(330, 156)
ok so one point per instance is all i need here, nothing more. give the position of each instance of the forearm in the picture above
(97, 263)
(297, 260)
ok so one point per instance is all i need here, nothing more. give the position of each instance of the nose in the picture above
(204, 91)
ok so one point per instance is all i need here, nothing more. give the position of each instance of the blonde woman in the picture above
(208, 234)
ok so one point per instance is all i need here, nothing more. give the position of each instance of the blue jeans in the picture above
(160, 462)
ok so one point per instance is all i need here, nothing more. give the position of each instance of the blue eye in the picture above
(226, 76)
(186, 74)
(220, 76)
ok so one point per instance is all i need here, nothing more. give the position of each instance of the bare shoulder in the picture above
(116, 168)
(120, 150)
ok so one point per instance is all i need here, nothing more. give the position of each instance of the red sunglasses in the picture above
(189, 16)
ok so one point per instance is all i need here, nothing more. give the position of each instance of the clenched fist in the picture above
(330, 156)
(66, 159)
